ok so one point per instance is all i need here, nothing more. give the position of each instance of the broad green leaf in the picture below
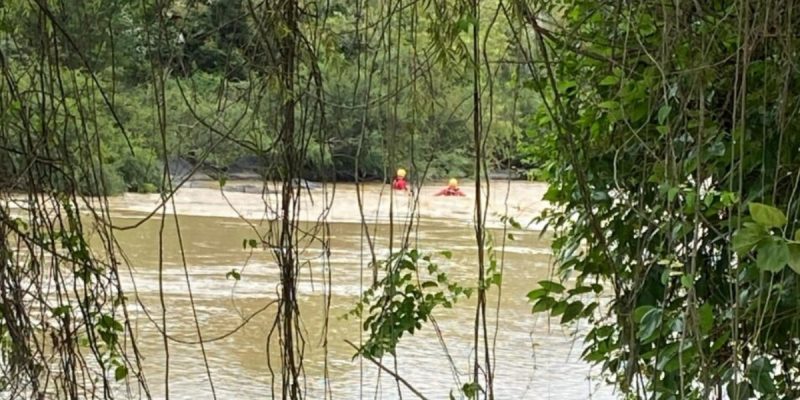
(558, 308)
(121, 372)
(551, 286)
(739, 391)
(667, 355)
(709, 200)
(429, 284)
(463, 24)
(563, 86)
(471, 390)
(61, 310)
(536, 293)
(794, 256)
(572, 311)
(650, 323)
(553, 194)
(760, 375)
(545, 303)
(687, 281)
(747, 237)
(599, 195)
(663, 113)
(640, 311)
(609, 80)
(579, 290)
(609, 105)
(233, 274)
(587, 312)
(672, 192)
(772, 256)
(768, 216)
(728, 198)
(706, 318)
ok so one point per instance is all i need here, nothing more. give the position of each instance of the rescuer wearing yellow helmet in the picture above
(451, 189)
(400, 182)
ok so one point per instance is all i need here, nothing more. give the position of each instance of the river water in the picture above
(534, 358)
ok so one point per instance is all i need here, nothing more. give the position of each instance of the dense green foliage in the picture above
(395, 94)
(674, 123)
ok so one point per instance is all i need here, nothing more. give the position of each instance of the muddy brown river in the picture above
(534, 358)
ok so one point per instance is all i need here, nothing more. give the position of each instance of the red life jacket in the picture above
(450, 191)
(399, 184)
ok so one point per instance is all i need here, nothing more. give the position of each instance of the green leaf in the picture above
(61, 310)
(768, 216)
(760, 375)
(463, 24)
(429, 284)
(687, 281)
(233, 274)
(706, 318)
(579, 290)
(747, 237)
(728, 198)
(772, 256)
(447, 254)
(649, 323)
(253, 243)
(794, 256)
(545, 303)
(599, 195)
(536, 293)
(552, 194)
(572, 311)
(120, 373)
(471, 390)
(558, 308)
(672, 192)
(663, 113)
(222, 181)
(609, 105)
(563, 86)
(667, 355)
(639, 312)
(551, 286)
(740, 391)
(797, 235)
(609, 80)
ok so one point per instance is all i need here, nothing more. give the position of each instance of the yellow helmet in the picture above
(453, 183)
(401, 173)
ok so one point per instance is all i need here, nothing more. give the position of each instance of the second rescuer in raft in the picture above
(451, 189)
